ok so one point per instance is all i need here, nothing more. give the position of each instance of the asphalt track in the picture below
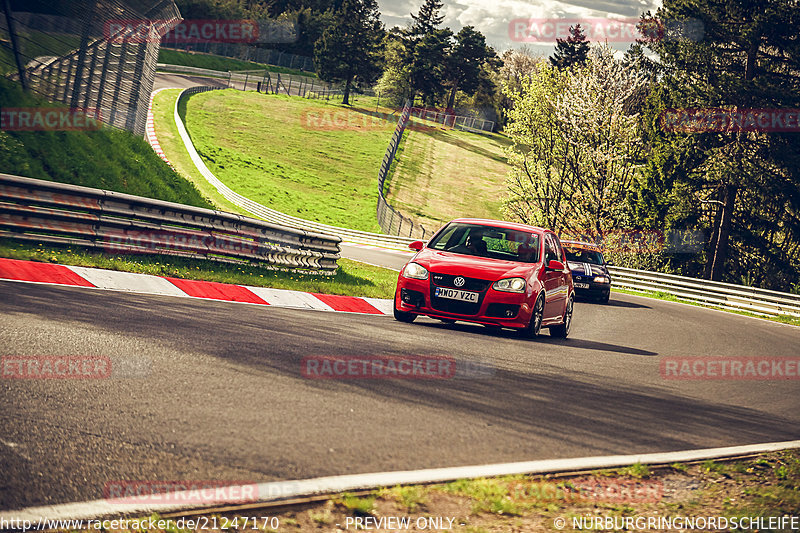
(214, 391)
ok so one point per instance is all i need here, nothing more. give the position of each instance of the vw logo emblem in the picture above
(459, 281)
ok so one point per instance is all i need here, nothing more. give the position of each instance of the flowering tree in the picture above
(575, 144)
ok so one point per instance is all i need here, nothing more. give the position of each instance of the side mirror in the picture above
(416, 245)
(554, 265)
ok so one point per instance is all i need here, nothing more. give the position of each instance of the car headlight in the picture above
(510, 285)
(415, 271)
(602, 279)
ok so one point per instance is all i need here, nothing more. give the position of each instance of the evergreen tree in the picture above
(740, 186)
(464, 69)
(428, 18)
(571, 51)
(349, 49)
(426, 50)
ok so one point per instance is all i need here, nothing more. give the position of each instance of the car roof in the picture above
(583, 245)
(500, 224)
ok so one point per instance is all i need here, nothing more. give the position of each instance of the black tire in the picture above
(604, 298)
(402, 316)
(562, 330)
(534, 328)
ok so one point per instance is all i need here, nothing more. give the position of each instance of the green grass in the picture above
(363, 505)
(267, 148)
(272, 149)
(351, 279)
(170, 141)
(464, 172)
(410, 497)
(106, 159)
(492, 495)
(213, 62)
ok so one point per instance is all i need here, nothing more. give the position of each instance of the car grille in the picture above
(470, 284)
(454, 306)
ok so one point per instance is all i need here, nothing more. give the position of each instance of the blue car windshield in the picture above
(576, 255)
(487, 241)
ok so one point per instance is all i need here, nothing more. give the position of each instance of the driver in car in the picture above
(476, 245)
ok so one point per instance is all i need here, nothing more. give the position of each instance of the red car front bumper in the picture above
(416, 296)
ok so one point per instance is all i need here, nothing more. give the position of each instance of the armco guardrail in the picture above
(271, 215)
(46, 211)
(718, 294)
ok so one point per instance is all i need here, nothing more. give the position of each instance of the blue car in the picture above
(589, 270)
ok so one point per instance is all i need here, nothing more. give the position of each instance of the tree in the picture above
(571, 51)
(464, 68)
(428, 18)
(349, 49)
(742, 186)
(576, 142)
(395, 82)
(426, 49)
(538, 184)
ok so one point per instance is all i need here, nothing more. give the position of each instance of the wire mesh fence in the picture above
(247, 52)
(451, 120)
(390, 220)
(76, 53)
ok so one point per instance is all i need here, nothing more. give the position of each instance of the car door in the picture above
(553, 280)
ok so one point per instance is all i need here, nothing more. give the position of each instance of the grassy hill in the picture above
(271, 149)
(106, 159)
(442, 174)
(278, 151)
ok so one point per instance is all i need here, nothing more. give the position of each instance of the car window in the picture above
(550, 253)
(487, 241)
(578, 255)
(559, 248)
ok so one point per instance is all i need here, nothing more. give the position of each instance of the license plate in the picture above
(581, 285)
(455, 294)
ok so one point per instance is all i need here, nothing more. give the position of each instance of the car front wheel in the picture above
(562, 330)
(535, 325)
(402, 316)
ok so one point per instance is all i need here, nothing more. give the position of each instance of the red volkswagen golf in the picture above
(499, 274)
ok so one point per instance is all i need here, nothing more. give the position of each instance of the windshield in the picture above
(488, 241)
(577, 255)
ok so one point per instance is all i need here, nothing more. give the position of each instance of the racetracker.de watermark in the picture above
(180, 492)
(730, 368)
(55, 367)
(196, 31)
(612, 30)
(590, 489)
(423, 367)
(346, 119)
(722, 120)
(135, 241)
(50, 119)
(75, 367)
